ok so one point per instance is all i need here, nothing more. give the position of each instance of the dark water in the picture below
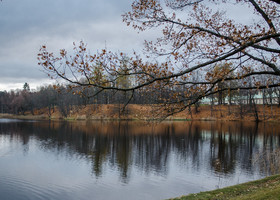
(128, 160)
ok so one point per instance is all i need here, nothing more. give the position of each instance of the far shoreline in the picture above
(134, 112)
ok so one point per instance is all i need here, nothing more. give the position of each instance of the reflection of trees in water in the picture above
(227, 148)
(188, 146)
(127, 144)
(151, 152)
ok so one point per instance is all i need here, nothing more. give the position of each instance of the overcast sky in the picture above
(28, 24)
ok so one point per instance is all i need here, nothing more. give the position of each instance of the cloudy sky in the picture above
(28, 24)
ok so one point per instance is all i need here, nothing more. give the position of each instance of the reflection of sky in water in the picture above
(43, 162)
(9, 120)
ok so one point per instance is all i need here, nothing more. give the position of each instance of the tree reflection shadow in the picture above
(219, 146)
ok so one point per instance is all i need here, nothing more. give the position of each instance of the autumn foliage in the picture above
(195, 36)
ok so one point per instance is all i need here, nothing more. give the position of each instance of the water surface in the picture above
(128, 160)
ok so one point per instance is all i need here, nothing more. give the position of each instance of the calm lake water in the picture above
(128, 160)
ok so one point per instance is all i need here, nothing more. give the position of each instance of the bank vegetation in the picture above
(56, 102)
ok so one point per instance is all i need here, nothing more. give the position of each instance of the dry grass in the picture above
(144, 112)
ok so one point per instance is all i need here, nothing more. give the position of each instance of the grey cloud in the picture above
(27, 24)
(40, 13)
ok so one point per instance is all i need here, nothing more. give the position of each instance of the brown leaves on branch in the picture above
(199, 41)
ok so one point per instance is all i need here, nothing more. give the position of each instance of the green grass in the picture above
(267, 188)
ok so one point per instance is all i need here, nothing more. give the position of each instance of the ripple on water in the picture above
(16, 188)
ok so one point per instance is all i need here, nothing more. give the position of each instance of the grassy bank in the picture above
(267, 188)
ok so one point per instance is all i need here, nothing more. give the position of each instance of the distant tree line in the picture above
(64, 97)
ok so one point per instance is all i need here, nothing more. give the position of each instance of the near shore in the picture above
(267, 188)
